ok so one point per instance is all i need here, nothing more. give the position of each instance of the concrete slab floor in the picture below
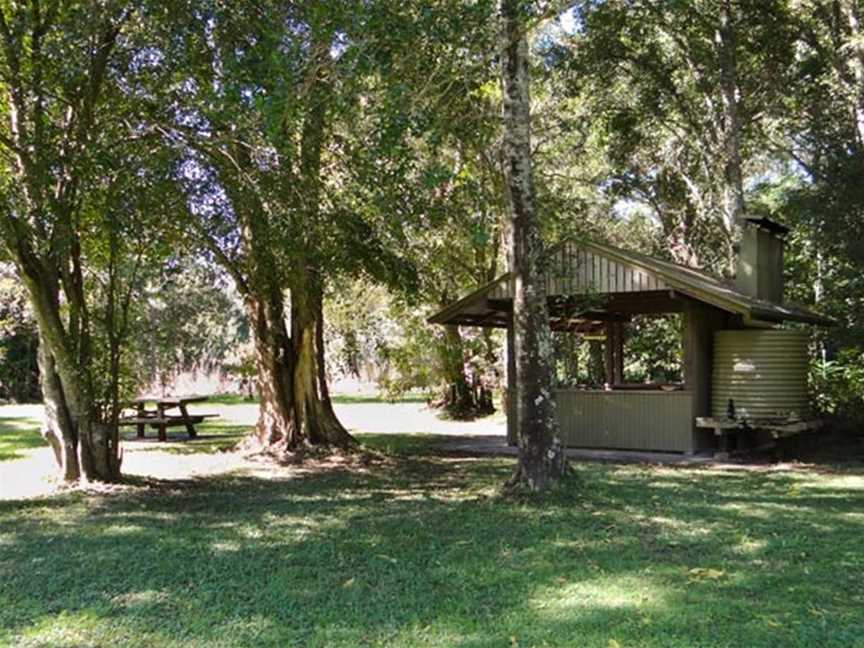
(497, 445)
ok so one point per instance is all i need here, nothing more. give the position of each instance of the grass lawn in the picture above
(351, 399)
(19, 432)
(421, 551)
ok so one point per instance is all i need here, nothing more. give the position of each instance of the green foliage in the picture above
(360, 331)
(189, 320)
(19, 371)
(210, 110)
(372, 335)
(642, 84)
(413, 359)
(652, 350)
(652, 354)
(838, 385)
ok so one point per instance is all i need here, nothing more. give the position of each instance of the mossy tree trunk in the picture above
(542, 461)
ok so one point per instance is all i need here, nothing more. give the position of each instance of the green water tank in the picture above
(763, 372)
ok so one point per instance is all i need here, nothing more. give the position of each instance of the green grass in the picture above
(359, 399)
(422, 551)
(345, 399)
(17, 434)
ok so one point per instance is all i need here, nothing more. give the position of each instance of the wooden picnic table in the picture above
(157, 418)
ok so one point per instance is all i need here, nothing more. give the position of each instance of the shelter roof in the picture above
(588, 283)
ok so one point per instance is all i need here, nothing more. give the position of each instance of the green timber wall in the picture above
(633, 420)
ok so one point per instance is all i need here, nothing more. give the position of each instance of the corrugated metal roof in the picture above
(475, 309)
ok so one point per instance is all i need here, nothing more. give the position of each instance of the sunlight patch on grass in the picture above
(754, 511)
(678, 527)
(829, 484)
(635, 593)
(142, 598)
(18, 436)
(65, 629)
(21, 424)
(147, 517)
(126, 529)
(855, 516)
(226, 546)
(749, 547)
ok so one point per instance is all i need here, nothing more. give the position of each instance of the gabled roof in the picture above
(583, 267)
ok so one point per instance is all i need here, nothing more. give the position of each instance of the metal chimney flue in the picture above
(760, 261)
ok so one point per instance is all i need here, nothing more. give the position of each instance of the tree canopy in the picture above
(288, 190)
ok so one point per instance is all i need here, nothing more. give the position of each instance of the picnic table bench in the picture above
(159, 420)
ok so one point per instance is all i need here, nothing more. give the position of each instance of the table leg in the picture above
(141, 413)
(190, 428)
(723, 451)
(163, 431)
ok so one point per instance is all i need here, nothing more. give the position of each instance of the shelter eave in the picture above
(787, 313)
(467, 310)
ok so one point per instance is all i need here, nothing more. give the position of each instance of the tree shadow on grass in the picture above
(421, 551)
(211, 437)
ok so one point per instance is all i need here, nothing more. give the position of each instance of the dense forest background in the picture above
(359, 144)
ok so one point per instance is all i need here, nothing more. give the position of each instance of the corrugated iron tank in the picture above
(762, 372)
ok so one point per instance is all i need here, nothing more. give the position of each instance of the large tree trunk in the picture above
(315, 419)
(329, 414)
(295, 412)
(458, 398)
(542, 461)
(57, 426)
(733, 187)
(466, 396)
(85, 443)
(47, 155)
(273, 362)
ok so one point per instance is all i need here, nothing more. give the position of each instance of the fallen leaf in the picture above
(698, 574)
